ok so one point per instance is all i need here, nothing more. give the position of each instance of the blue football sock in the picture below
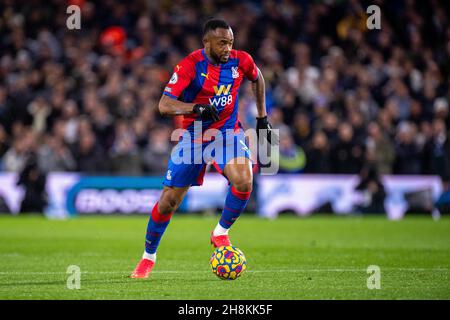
(235, 204)
(157, 224)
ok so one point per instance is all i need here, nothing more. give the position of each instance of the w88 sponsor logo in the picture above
(221, 101)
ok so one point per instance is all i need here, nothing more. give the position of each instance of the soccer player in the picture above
(209, 81)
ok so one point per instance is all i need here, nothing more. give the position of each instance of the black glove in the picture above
(206, 112)
(263, 123)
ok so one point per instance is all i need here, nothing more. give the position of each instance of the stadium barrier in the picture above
(306, 194)
(72, 193)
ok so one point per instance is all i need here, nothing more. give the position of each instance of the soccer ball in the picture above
(228, 262)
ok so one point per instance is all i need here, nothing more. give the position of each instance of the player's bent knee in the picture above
(170, 199)
(168, 203)
(242, 183)
(243, 186)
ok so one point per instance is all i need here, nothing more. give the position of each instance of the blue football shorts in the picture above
(187, 164)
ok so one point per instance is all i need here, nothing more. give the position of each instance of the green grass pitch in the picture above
(288, 258)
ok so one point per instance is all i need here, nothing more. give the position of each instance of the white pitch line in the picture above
(205, 271)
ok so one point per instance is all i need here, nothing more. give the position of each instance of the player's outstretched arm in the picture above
(172, 107)
(259, 90)
(262, 123)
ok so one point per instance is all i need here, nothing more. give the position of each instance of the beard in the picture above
(221, 59)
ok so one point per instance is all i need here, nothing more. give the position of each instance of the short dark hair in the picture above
(213, 24)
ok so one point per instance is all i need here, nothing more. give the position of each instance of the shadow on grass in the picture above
(122, 279)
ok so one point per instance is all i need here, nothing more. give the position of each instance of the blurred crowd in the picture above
(342, 96)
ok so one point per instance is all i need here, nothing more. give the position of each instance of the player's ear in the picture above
(206, 41)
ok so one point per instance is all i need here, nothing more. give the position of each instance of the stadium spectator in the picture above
(16, 157)
(302, 130)
(380, 150)
(33, 181)
(291, 158)
(39, 110)
(103, 125)
(124, 152)
(347, 154)
(372, 191)
(70, 117)
(330, 127)
(54, 155)
(407, 151)
(436, 153)
(156, 154)
(89, 156)
(318, 154)
(4, 145)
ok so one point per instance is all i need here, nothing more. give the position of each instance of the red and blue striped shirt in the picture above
(198, 80)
